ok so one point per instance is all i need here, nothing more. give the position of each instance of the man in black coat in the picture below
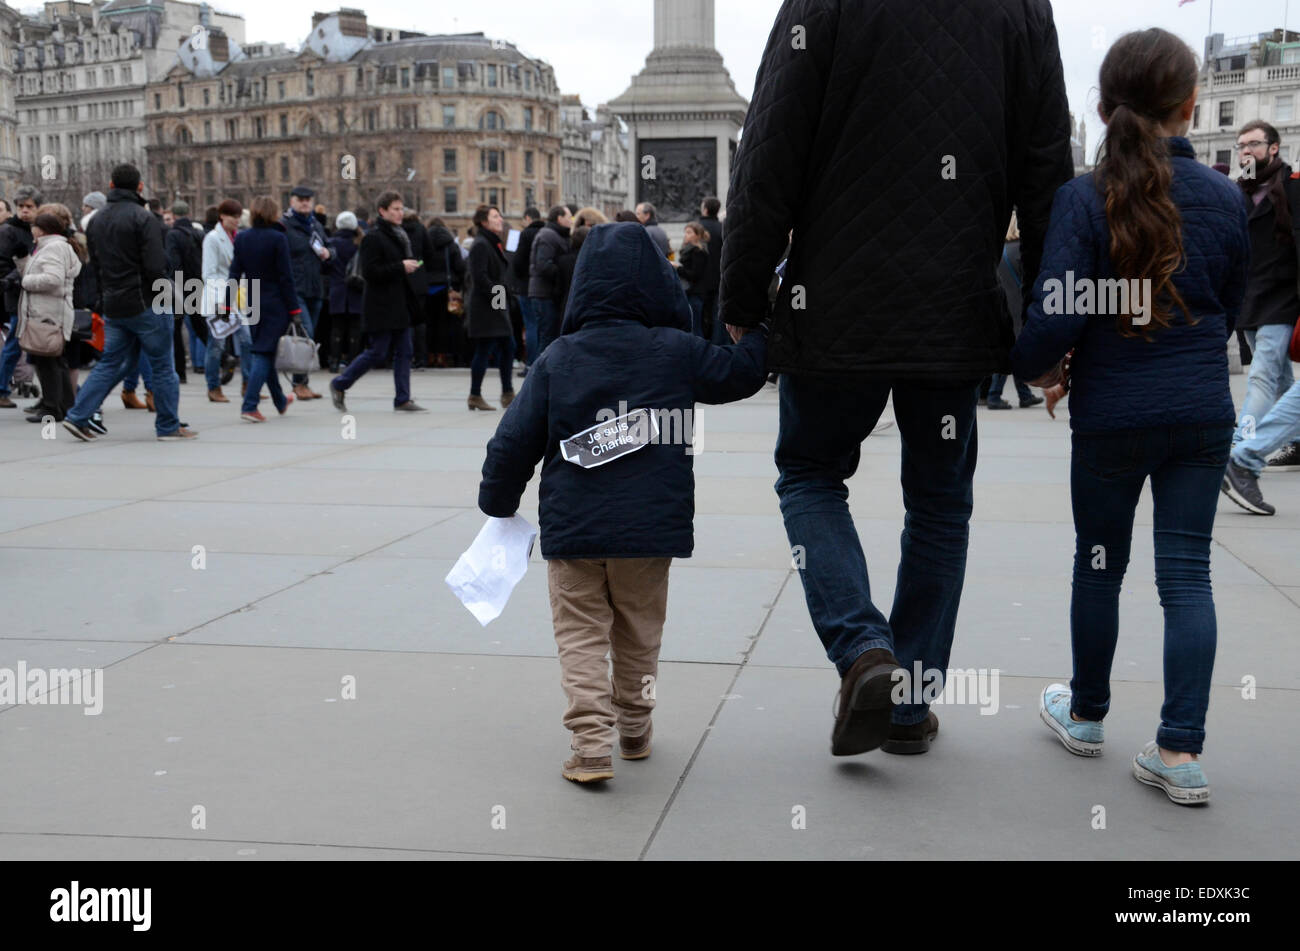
(891, 289)
(183, 245)
(125, 243)
(717, 332)
(16, 242)
(419, 281)
(519, 277)
(388, 307)
(308, 251)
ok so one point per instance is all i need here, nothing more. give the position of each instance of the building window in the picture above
(528, 163)
(209, 174)
(314, 165)
(207, 130)
(207, 96)
(449, 77)
(187, 172)
(284, 168)
(284, 124)
(1284, 108)
(528, 118)
(495, 197)
(528, 79)
(550, 166)
(449, 161)
(157, 101)
(492, 77)
(279, 88)
(372, 120)
(450, 200)
(1227, 112)
(492, 162)
(259, 127)
(339, 82)
(406, 77)
(260, 170)
(162, 172)
(232, 169)
(449, 116)
(408, 117)
(491, 121)
(126, 74)
(1223, 156)
(311, 83)
(1196, 116)
(232, 128)
(530, 197)
(370, 163)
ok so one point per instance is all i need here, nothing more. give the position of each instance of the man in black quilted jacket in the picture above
(894, 138)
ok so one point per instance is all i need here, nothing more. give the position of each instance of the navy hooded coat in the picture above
(624, 340)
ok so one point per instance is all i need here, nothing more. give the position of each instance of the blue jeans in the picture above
(530, 329)
(1280, 426)
(262, 372)
(310, 314)
(133, 370)
(999, 383)
(1270, 375)
(818, 449)
(484, 347)
(1107, 472)
(547, 316)
(9, 356)
(198, 349)
(217, 349)
(697, 314)
(151, 334)
(399, 342)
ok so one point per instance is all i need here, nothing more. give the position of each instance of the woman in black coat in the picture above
(693, 269)
(446, 274)
(489, 308)
(262, 257)
(345, 301)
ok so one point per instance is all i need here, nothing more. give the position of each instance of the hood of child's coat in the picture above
(622, 275)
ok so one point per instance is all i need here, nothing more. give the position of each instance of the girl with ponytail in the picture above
(1143, 274)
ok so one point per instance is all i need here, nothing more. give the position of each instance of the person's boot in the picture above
(301, 391)
(130, 400)
(148, 402)
(216, 396)
(588, 769)
(507, 398)
(7, 403)
(477, 402)
(866, 703)
(997, 402)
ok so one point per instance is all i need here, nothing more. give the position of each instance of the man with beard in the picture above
(1268, 314)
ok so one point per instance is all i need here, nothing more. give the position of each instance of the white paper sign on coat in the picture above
(486, 574)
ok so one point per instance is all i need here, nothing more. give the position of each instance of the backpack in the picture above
(353, 277)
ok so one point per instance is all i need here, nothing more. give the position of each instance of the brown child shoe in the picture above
(588, 769)
(635, 747)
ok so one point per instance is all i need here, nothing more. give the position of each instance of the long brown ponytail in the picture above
(1145, 78)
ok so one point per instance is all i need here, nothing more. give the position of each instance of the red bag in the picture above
(1295, 343)
(97, 332)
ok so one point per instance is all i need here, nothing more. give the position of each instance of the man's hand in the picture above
(411, 266)
(737, 332)
(323, 254)
(1053, 395)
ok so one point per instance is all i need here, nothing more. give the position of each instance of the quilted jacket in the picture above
(1180, 375)
(895, 138)
(48, 275)
(625, 340)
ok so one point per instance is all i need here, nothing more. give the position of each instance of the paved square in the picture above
(323, 559)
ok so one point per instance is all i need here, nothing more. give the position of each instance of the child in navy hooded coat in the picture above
(607, 410)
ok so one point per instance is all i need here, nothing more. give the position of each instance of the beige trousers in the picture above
(609, 608)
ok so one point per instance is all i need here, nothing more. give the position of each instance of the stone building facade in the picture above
(81, 71)
(448, 121)
(10, 166)
(595, 157)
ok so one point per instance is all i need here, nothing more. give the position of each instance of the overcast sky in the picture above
(597, 46)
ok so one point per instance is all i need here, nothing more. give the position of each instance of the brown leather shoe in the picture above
(910, 740)
(130, 400)
(148, 402)
(588, 769)
(301, 391)
(635, 747)
(507, 399)
(311, 394)
(216, 396)
(865, 705)
(477, 402)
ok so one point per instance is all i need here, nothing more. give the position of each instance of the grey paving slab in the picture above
(153, 454)
(61, 655)
(60, 847)
(342, 487)
(1271, 550)
(42, 480)
(264, 741)
(137, 596)
(21, 513)
(991, 787)
(220, 527)
(409, 458)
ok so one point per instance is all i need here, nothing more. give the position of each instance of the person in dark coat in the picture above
(693, 269)
(567, 262)
(388, 308)
(16, 242)
(309, 251)
(612, 523)
(489, 307)
(715, 329)
(446, 275)
(345, 300)
(519, 277)
(543, 287)
(862, 316)
(1146, 372)
(262, 259)
(1012, 280)
(183, 245)
(419, 281)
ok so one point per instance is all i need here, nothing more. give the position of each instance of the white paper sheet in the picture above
(512, 241)
(497, 560)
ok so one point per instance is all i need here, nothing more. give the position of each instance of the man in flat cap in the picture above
(308, 251)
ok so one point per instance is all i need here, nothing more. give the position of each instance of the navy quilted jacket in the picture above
(625, 339)
(894, 138)
(1178, 376)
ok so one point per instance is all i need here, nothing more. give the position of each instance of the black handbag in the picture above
(83, 322)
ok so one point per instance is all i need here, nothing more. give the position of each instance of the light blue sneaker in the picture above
(1082, 739)
(1184, 784)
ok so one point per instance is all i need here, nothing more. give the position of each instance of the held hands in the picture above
(411, 266)
(1053, 395)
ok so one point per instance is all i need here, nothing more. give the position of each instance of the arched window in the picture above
(183, 135)
(492, 121)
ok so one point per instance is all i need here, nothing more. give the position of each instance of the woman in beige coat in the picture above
(48, 275)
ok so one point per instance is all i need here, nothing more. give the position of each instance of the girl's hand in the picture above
(1053, 395)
